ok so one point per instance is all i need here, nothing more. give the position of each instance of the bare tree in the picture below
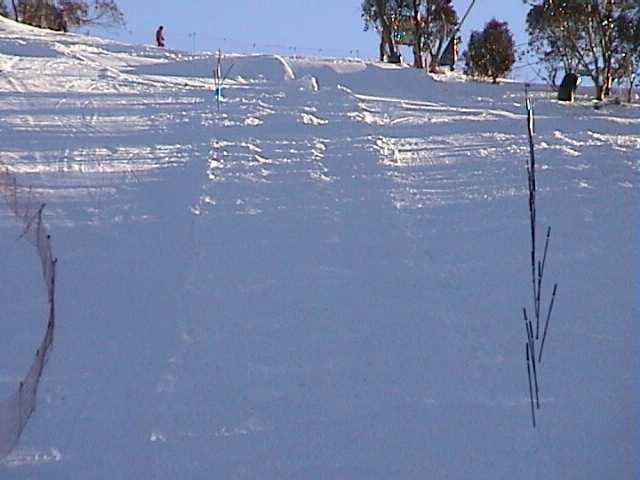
(425, 25)
(627, 67)
(440, 21)
(378, 14)
(65, 14)
(15, 10)
(387, 34)
(101, 13)
(418, 61)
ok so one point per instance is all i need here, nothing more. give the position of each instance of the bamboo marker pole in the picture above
(546, 326)
(531, 177)
(531, 343)
(533, 412)
(540, 275)
(533, 363)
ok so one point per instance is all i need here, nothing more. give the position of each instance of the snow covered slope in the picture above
(312, 284)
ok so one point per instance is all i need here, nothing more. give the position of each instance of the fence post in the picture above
(20, 408)
(52, 299)
(14, 207)
(39, 227)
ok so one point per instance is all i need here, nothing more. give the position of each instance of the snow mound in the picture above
(248, 67)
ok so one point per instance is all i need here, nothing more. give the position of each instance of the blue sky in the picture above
(317, 27)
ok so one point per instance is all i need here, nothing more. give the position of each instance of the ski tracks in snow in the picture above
(303, 244)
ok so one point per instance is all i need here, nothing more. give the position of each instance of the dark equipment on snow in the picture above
(450, 55)
(568, 87)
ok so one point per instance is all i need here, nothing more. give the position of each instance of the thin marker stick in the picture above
(540, 276)
(533, 412)
(533, 357)
(546, 326)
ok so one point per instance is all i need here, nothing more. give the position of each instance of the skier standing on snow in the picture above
(160, 36)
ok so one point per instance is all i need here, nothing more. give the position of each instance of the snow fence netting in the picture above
(16, 410)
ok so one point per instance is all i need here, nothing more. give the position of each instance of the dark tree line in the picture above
(430, 27)
(63, 14)
(599, 39)
(426, 25)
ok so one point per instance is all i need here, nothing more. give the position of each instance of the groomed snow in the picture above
(322, 279)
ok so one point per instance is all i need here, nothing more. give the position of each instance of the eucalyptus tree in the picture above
(66, 14)
(591, 37)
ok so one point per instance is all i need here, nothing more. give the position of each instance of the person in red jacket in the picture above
(160, 36)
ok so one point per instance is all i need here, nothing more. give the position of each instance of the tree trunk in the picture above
(632, 81)
(434, 66)
(15, 10)
(393, 57)
(607, 81)
(417, 56)
(43, 14)
(417, 41)
(598, 81)
(382, 48)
